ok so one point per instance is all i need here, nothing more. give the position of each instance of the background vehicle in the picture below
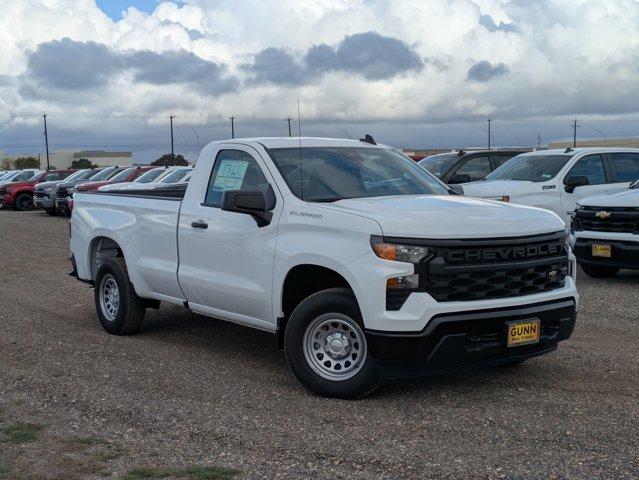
(606, 232)
(44, 192)
(19, 175)
(558, 179)
(19, 194)
(171, 175)
(127, 175)
(364, 264)
(463, 167)
(148, 177)
(65, 190)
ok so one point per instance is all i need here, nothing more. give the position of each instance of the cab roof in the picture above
(294, 142)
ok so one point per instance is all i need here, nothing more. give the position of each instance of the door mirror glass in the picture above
(459, 178)
(258, 204)
(571, 183)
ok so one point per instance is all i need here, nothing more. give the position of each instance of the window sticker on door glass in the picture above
(230, 175)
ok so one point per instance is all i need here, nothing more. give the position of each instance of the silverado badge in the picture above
(602, 214)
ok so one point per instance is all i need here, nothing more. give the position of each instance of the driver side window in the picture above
(234, 170)
(591, 167)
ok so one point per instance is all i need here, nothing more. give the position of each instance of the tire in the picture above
(599, 271)
(333, 312)
(120, 310)
(23, 202)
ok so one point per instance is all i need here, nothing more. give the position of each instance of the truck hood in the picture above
(450, 216)
(627, 198)
(49, 184)
(497, 188)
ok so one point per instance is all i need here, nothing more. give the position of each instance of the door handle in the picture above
(200, 224)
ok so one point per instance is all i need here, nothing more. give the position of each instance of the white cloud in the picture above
(545, 57)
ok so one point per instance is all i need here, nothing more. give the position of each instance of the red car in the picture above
(126, 175)
(19, 195)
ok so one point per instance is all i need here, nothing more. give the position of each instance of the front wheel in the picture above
(599, 271)
(120, 310)
(326, 347)
(23, 202)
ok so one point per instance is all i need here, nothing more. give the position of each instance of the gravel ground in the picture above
(190, 391)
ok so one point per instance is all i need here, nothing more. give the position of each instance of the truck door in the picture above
(226, 260)
(593, 168)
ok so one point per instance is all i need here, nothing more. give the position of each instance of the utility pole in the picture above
(172, 150)
(489, 121)
(288, 119)
(232, 126)
(574, 133)
(46, 139)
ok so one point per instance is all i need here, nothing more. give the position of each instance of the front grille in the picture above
(38, 193)
(463, 270)
(497, 282)
(607, 219)
(3, 191)
(61, 193)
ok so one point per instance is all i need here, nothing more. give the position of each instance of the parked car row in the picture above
(53, 190)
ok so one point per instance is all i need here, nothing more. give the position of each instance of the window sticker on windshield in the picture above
(230, 175)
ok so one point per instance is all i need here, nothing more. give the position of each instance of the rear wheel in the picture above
(326, 347)
(23, 202)
(120, 310)
(599, 271)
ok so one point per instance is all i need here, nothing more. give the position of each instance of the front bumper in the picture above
(3, 201)
(62, 204)
(624, 253)
(455, 342)
(44, 203)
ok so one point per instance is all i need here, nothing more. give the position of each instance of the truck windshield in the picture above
(532, 168)
(123, 175)
(150, 175)
(176, 175)
(439, 165)
(104, 174)
(329, 174)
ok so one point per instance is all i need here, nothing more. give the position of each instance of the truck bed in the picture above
(144, 224)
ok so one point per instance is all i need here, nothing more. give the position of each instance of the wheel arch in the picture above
(303, 279)
(100, 248)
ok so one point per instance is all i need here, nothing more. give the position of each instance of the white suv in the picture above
(557, 179)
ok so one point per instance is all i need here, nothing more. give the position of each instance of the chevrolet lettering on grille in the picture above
(505, 254)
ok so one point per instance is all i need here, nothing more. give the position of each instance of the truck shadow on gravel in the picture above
(243, 348)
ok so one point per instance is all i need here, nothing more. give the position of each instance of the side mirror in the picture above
(459, 178)
(258, 205)
(571, 183)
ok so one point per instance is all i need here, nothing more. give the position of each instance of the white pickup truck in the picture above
(363, 264)
(606, 232)
(558, 179)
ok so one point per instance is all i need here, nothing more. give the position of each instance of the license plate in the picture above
(523, 333)
(600, 250)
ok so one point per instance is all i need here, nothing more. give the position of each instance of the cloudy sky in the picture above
(411, 72)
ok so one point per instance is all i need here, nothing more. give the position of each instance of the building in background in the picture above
(64, 158)
(600, 142)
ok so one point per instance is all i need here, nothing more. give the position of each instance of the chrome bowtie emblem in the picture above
(552, 274)
(602, 214)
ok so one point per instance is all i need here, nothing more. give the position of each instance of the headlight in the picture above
(398, 252)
